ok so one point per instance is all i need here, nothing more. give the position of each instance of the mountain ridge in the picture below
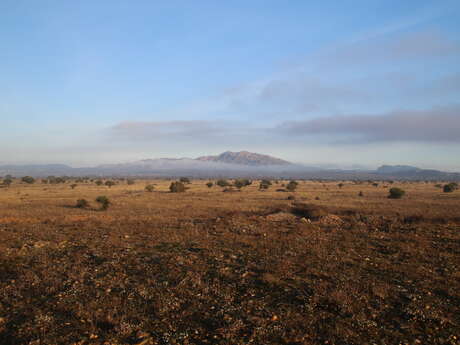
(227, 164)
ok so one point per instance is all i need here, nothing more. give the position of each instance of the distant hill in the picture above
(229, 164)
(244, 158)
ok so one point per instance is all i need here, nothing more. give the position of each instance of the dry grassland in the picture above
(249, 267)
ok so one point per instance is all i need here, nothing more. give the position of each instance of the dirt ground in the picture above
(321, 265)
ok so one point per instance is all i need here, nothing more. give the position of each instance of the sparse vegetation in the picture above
(103, 201)
(110, 183)
(177, 187)
(450, 187)
(130, 182)
(149, 188)
(73, 185)
(7, 181)
(292, 186)
(209, 184)
(82, 203)
(28, 180)
(222, 183)
(184, 180)
(396, 193)
(264, 184)
(242, 267)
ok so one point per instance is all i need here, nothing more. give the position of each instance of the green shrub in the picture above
(99, 183)
(450, 187)
(177, 187)
(222, 183)
(263, 185)
(209, 184)
(28, 179)
(149, 188)
(184, 180)
(292, 186)
(104, 201)
(242, 182)
(109, 184)
(82, 203)
(73, 185)
(396, 193)
(7, 181)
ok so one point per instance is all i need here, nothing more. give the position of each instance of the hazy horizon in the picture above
(85, 83)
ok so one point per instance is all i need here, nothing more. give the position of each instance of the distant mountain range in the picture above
(228, 164)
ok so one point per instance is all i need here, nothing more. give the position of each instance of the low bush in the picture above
(222, 183)
(450, 187)
(396, 193)
(292, 186)
(209, 184)
(109, 184)
(103, 201)
(149, 188)
(28, 179)
(177, 187)
(82, 203)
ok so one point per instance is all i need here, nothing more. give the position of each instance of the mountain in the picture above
(244, 158)
(408, 172)
(229, 165)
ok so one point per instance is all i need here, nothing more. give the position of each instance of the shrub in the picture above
(109, 184)
(360, 193)
(209, 184)
(184, 180)
(340, 185)
(104, 201)
(396, 193)
(222, 183)
(149, 188)
(99, 183)
(73, 185)
(267, 182)
(263, 185)
(130, 182)
(28, 179)
(82, 203)
(450, 187)
(292, 186)
(242, 182)
(375, 184)
(7, 181)
(177, 187)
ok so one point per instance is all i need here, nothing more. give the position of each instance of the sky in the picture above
(329, 83)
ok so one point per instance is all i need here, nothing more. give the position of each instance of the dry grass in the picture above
(207, 267)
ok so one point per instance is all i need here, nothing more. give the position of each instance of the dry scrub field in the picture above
(249, 267)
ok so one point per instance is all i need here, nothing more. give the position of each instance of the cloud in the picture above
(421, 45)
(154, 129)
(434, 125)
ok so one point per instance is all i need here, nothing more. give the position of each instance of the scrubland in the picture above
(324, 266)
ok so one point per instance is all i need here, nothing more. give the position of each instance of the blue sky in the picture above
(336, 82)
